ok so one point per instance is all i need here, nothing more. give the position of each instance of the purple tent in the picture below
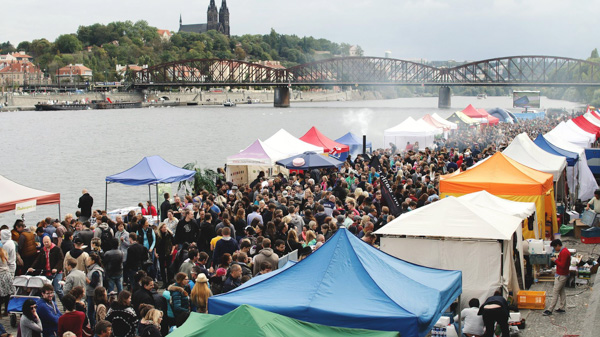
(244, 166)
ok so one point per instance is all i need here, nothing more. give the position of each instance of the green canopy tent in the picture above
(250, 321)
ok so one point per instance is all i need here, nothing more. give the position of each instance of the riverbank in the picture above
(26, 102)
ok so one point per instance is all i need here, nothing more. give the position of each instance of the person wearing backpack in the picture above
(105, 233)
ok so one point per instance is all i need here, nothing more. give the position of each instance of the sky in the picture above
(411, 29)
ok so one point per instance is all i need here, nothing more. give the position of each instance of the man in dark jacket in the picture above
(85, 204)
(227, 244)
(143, 294)
(136, 256)
(113, 266)
(165, 207)
(235, 278)
(495, 309)
(187, 228)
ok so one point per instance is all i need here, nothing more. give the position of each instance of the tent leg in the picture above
(156, 206)
(106, 196)
(459, 332)
(149, 193)
(502, 267)
(59, 217)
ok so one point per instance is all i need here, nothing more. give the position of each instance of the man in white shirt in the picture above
(472, 322)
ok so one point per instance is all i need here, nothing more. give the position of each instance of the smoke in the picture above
(358, 121)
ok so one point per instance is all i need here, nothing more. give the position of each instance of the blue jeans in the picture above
(57, 287)
(91, 311)
(115, 281)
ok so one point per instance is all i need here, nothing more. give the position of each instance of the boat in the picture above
(61, 106)
(482, 96)
(115, 105)
(229, 104)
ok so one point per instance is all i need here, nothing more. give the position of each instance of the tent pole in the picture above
(502, 267)
(106, 196)
(59, 217)
(156, 206)
(149, 193)
(459, 332)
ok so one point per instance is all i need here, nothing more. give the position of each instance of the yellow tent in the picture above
(505, 178)
(459, 117)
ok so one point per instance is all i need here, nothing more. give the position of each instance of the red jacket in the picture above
(563, 262)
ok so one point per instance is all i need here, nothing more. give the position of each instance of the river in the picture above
(67, 151)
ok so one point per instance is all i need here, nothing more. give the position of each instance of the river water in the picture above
(67, 151)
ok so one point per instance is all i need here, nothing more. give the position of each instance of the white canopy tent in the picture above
(283, 142)
(258, 156)
(572, 136)
(410, 131)
(524, 151)
(427, 126)
(575, 128)
(14, 196)
(480, 239)
(437, 117)
(578, 176)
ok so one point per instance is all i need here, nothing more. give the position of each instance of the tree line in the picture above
(101, 47)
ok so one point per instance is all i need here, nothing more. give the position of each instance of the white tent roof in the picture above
(410, 131)
(12, 194)
(526, 152)
(568, 134)
(427, 126)
(284, 143)
(444, 121)
(456, 218)
(586, 180)
(571, 125)
(257, 153)
(485, 199)
(592, 119)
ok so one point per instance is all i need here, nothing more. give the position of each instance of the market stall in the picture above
(409, 131)
(354, 143)
(245, 166)
(13, 196)
(331, 147)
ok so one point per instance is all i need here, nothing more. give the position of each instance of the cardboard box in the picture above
(577, 227)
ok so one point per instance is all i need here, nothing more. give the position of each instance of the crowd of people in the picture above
(133, 276)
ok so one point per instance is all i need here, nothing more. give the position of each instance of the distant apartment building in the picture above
(20, 73)
(74, 73)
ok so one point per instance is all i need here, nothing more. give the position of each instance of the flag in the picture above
(388, 196)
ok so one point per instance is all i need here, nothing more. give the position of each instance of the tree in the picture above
(68, 44)
(594, 54)
(204, 179)
(240, 54)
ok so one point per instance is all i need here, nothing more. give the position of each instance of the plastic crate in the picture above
(531, 299)
(593, 240)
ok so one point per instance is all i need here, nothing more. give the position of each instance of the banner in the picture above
(25, 207)
(388, 196)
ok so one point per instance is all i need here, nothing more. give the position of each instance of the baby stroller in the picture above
(27, 286)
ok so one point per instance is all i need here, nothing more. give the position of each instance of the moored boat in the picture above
(61, 106)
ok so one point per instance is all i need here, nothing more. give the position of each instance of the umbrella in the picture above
(309, 160)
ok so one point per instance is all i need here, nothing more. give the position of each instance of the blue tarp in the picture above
(354, 142)
(545, 145)
(149, 171)
(310, 160)
(348, 283)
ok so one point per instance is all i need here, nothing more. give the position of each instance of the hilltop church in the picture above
(217, 20)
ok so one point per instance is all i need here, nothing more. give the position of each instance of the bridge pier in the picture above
(444, 98)
(281, 98)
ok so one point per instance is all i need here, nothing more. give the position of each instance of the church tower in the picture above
(212, 16)
(224, 18)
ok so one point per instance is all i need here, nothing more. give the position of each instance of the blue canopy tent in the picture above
(348, 283)
(502, 115)
(149, 171)
(545, 145)
(354, 142)
(309, 160)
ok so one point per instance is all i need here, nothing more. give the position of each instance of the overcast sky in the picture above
(410, 29)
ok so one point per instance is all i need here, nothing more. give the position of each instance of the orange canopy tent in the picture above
(505, 178)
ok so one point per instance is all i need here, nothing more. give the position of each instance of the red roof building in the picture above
(19, 73)
(72, 73)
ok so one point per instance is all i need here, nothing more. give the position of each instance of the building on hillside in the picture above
(122, 69)
(271, 64)
(216, 20)
(16, 56)
(164, 34)
(21, 73)
(74, 73)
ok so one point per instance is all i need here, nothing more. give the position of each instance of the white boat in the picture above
(229, 103)
(482, 96)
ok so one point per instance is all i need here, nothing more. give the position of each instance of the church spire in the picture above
(224, 18)
(180, 21)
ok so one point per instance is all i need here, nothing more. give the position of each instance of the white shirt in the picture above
(473, 323)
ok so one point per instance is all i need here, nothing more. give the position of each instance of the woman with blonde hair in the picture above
(311, 238)
(150, 324)
(200, 294)
(6, 281)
